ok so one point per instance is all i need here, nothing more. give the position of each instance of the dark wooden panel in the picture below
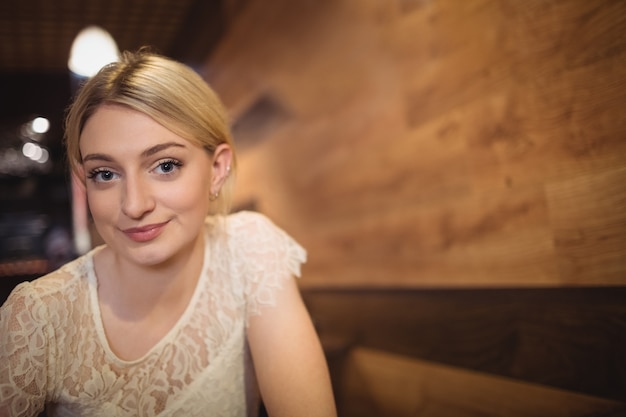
(569, 338)
(378, 384)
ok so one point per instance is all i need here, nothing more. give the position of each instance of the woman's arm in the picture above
(289, 361)
(23, 354)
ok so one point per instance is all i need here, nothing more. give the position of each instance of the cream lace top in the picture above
(53, 350)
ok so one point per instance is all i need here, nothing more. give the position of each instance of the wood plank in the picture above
(569, 338)
(474, 48)
(558, 126)
(377, 383)
(588, 215)
(499, 238)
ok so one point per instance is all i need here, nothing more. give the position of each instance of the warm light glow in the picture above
(35, 152)
(40, 125)
(92, 49)
(45, 155)
(30, 150)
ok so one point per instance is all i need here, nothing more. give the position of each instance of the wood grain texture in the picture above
(377, 384)
(589, 225)
(437, 143)
(572, 339)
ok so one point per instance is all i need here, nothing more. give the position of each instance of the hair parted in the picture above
(168, 91)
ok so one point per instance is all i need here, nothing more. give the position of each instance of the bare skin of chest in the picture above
(132, 339)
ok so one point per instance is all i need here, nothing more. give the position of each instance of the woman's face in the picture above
(148, 189)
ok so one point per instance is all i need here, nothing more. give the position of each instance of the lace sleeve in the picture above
(270, 257)
(24, 341)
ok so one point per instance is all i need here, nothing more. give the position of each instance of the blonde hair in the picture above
(169, 92)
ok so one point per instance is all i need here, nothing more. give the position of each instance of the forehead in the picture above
(116, 128)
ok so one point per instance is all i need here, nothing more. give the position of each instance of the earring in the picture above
(214, 196)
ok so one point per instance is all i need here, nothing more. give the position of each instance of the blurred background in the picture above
(455, 169)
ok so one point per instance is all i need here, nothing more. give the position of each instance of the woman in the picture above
(179, 313)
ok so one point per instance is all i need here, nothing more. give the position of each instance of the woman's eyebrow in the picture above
(148, 152)
(97, 157)
(160, 147)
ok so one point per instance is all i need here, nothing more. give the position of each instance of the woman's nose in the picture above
(137, 198)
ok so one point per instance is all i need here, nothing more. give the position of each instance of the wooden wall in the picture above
(419, 143)
(469, 153)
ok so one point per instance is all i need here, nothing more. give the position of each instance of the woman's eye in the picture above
(102, 175)
(167, 167)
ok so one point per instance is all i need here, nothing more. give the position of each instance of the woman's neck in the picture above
(134, 291)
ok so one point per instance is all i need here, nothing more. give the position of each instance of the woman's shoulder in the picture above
(252, 226)
(248, 219)
(73, 272)
(61, 283)
(255, 237)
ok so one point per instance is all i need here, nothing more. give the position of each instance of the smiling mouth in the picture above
(145, 233)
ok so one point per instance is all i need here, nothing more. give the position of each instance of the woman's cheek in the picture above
(101, 204)
(185, 197)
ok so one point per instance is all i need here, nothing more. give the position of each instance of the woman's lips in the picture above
(144, 233)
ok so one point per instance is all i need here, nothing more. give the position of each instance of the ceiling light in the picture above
(92, 49)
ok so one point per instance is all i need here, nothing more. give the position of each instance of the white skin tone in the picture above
(148, 191)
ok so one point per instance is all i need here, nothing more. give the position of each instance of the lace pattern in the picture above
(53, 349)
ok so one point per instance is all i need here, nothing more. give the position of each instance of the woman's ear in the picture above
(222, 159)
